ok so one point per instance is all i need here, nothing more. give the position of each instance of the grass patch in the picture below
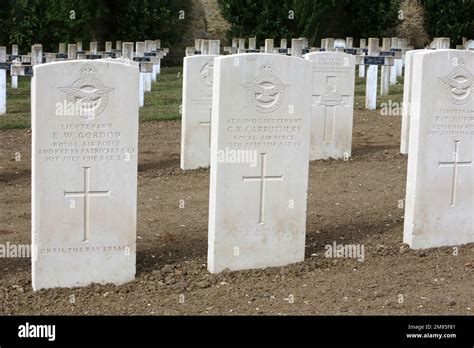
(395, 92)
(163, 103)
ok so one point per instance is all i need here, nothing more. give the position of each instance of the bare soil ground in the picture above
(352, 202)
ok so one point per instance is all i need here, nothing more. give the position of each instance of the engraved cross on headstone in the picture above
(262, 178)
(208, 124)
(86, 194)
(330, 100)
(455, 164)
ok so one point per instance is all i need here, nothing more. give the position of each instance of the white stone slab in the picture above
(262, 109)
(361, 71)
(332, 105)
(3, 82)
(407, 83)
(84, 173)
(371, 87)
(196, 115)
(393, 74)
(14, 78)
(440, 187)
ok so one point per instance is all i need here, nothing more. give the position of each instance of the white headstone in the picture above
(14, 78)
(252, 43)
(148, 77)
(406, 117)
(332, 105)
(372, 74)
(329, 44)
(349, 42)
(84, 173)
(339, 43)
(93, 48)
(440, 188)
(158, 65)
(297, 47)
(140, 53)
(204, 46)
(62, 47)
(362, 44)
(108, 46)
(196, 113)
(36, 54)
(259, 161)
(127, 50)
(269, 46)
(385, 70)
(71, 51)
(197, 44)
(214, 47)
(3, 82)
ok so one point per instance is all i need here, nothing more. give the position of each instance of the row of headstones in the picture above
(438, 136)
(84, 220)
(251, 114)
(148, 54)
(332, 103)
(390, 56)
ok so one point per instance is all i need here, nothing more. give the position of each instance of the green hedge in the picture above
(314, 19)
(49, 22)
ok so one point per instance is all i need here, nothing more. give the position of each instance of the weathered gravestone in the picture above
(259, 161)
(140, 56)
(197, 107)
(85, 138)
(297, 47)
(440, 187)
(3, 80)
(15, 57)
(332, 105)
(362, 46)
(385, 69)
(269, 46)
(71, 51)
(407, 83)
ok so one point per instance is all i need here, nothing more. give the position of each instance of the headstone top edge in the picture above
(81, 61)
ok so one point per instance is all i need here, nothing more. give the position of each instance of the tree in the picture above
(25, 22)
(313, 19)
(412, 24)
(453, 19)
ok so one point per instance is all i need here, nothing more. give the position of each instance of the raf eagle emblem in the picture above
(459, 84)
(266, 92)
(89, 95)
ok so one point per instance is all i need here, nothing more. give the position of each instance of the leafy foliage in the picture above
(453, 19)
(49, 22)
(314, 19)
